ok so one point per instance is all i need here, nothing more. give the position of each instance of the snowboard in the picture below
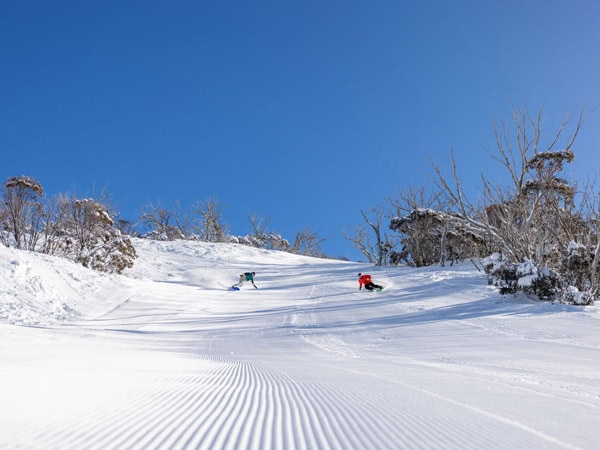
(235, 288)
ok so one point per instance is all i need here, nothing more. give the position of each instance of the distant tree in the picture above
(262, 237)
(161, 223)
(21, 212)
(276, 241)
(307, 243)
(210, 227)
(127, 227)
(260, 230)
(375, 245)
(416, 198)
(359, 237)
(54, 232)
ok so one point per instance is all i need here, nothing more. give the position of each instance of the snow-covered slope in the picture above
(166, 357)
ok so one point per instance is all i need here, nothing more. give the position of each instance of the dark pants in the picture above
(370, 286)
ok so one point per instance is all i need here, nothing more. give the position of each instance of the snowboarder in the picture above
(246, 276)
(366, 281)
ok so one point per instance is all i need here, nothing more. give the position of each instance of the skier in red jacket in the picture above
(366, 281)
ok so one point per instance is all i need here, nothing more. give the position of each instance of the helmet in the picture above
(253, 273)
(360, 274)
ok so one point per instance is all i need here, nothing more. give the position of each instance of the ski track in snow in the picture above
(174, 361)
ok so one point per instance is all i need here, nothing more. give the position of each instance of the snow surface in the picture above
(165, 357)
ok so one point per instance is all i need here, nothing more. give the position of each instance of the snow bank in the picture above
(38, 289)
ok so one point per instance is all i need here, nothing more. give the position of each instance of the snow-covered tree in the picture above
(430, 237)
(534, 219)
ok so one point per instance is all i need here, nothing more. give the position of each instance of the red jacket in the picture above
(365, 279)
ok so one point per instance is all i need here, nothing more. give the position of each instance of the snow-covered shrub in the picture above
(501, 273)
(524, 277)
(573, 296)
(576, 265)
(112, 252)
(493, 263)
(545, 285)
(526, 273)
(91, 238)
(571, 284)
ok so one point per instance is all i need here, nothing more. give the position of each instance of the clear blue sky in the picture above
(303, 112)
